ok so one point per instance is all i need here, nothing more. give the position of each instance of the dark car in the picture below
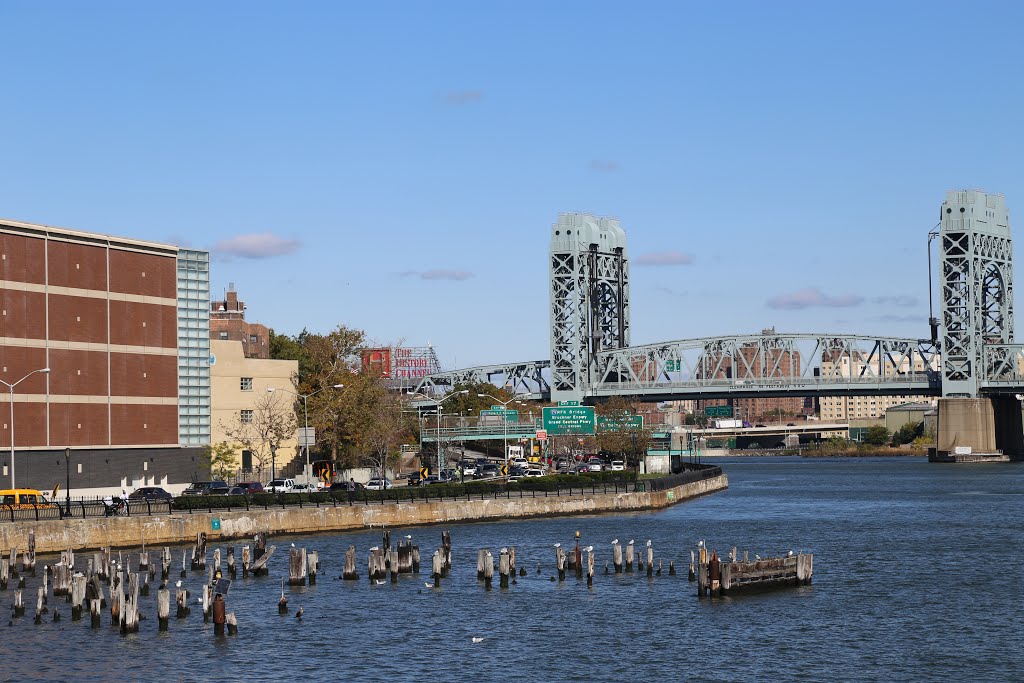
(487, 471)
(150, 493)
(203, 488)
(236, 491)
(250, 486)
(342, 487)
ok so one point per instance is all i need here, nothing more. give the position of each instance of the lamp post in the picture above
(11, 388)
(67, 482)
(440, 443)
(504, 419)
(305, 417)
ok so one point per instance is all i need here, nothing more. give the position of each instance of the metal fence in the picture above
(81, 508)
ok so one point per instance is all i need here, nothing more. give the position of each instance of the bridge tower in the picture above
(977, 286)
(976, 304)
(589, 297)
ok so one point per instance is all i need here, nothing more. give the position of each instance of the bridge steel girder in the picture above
(1003, 369)
(976, 295)
(770, 365)
(522, 378)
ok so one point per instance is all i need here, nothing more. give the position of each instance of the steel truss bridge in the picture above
(971, 352)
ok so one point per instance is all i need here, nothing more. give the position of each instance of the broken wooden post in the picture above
(437, 568)
(590, 565)
(232, 570)
(259, 567)
(503, 568)
(480, 564)
(130, 614)
(693, 569)
(95, 610)
(393, 564)
(5, 574)
(163, 608)
(488, 569)
(199, 552)
(207, 606)
(78, 583)
(216, 563)
(246, 560)
(560, 562)
(415, 553)
(39, 605)
(165, 564)
(144, 588)
(629, 555)
(144, 562)
(28, 561)
(671, 567)
(282, 604)
(446, 545)
(312, 564)
(184, 560)
(349, 572)
(181, 600)
(297, 566)
(232, 624)
(650, 560)
(19, 607)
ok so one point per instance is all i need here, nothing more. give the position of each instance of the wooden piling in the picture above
(216, 563)
(512, 560)
(231, 562)
(232, 624)
(19, 606)
(130, 617)
(349, 572)
(415, 559)
(117, 599)
(437, 568)
(630, 551)
(405, 557)
(5, 575)
(480, 564)
(144, 562)
(693, 570)
(392, 564)
(312, 564)
(446, 545)
(375, 565)
(78, 584)
(590, 566)
(282, 604)
(28, 561)
(181, 601)
(39, 605)
(259, 567)
(144, 588)
(95, 610)
(577, 558)
(163, 608)
(488, 569)
(206, 602)
(650, 560)
(504, 567)
(246, 560)
(671, 568)
(199, 552)
(560, 561)
(617, 556)
(184, 561)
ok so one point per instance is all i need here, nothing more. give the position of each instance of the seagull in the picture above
(293, 545)
(589, 548)
(178, 583)
(374, 549)
(630, 542)
(429, 585)
(648, 543)
(478, 639)
(557, 545)
(790, 554)
(615, 541)
(757, 558)
(408, 537)
(298, 615)
(503, 551)
(700, 544)
(379, 582)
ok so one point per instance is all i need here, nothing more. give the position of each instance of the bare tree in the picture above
(387, 430)
(262, 430)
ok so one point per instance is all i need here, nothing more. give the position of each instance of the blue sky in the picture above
(395, 167)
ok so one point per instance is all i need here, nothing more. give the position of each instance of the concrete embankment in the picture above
(131, 532)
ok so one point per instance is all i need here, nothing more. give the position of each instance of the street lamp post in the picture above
(67, 482)
(440, 443)
(305, 416)
(11, 388)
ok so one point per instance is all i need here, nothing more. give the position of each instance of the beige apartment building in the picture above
(845, 408)
(241, 405)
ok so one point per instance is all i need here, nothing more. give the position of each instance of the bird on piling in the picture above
(630, 542)
(293, 545)
(408, 537)
(557, 545)
(614, 541)
(648, 543)
(588, 549)
(790, 554)
(374, 549)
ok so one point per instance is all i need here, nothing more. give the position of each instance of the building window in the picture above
(247, 384)
(246, 417)
(253, 339)
(246, 460)
(223, 335)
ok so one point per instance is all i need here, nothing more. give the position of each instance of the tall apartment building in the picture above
(863, 407)
(227, 323)
(122, 327)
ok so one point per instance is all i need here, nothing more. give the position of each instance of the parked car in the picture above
(150, 493)
(378, 484)
(24, 498)
(236, 491)
(594, 465)
(303, 488)
(618, 466)
(342, 487)
(281, 486)
(488, 470)
(534, 473)
(203, 488)
(250, 487)
(514, 478)
(433, 479)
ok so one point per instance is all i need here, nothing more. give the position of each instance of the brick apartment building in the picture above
(227, 323)
(123, 327)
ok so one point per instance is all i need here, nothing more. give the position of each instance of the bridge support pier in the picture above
(991, 428)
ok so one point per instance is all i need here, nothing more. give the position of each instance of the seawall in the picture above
(131, 532)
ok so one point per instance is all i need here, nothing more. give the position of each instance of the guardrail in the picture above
(83, 508)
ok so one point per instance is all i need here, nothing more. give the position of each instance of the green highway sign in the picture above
(562, 404)
(718, 411)
(672, 366)
(508, 415)
(569, 420)
(613, 423)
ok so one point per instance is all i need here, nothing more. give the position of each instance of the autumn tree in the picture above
(221, 459)
(262, 430)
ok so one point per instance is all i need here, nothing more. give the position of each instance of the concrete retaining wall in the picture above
(130, 532)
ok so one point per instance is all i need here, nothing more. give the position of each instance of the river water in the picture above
(917, 578)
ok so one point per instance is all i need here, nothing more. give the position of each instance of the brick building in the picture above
(122, 326)
(227, 323)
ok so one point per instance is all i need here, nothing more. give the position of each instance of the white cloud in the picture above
(257, 245)
(813, 297)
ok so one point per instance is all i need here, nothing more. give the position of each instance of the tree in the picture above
(387, 430)
(270, 423)
(908, 433)
(221, 458)
(876, 436)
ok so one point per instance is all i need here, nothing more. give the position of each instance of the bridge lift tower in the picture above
(589, 298)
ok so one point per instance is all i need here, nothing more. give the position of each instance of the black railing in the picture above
(554, 488)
